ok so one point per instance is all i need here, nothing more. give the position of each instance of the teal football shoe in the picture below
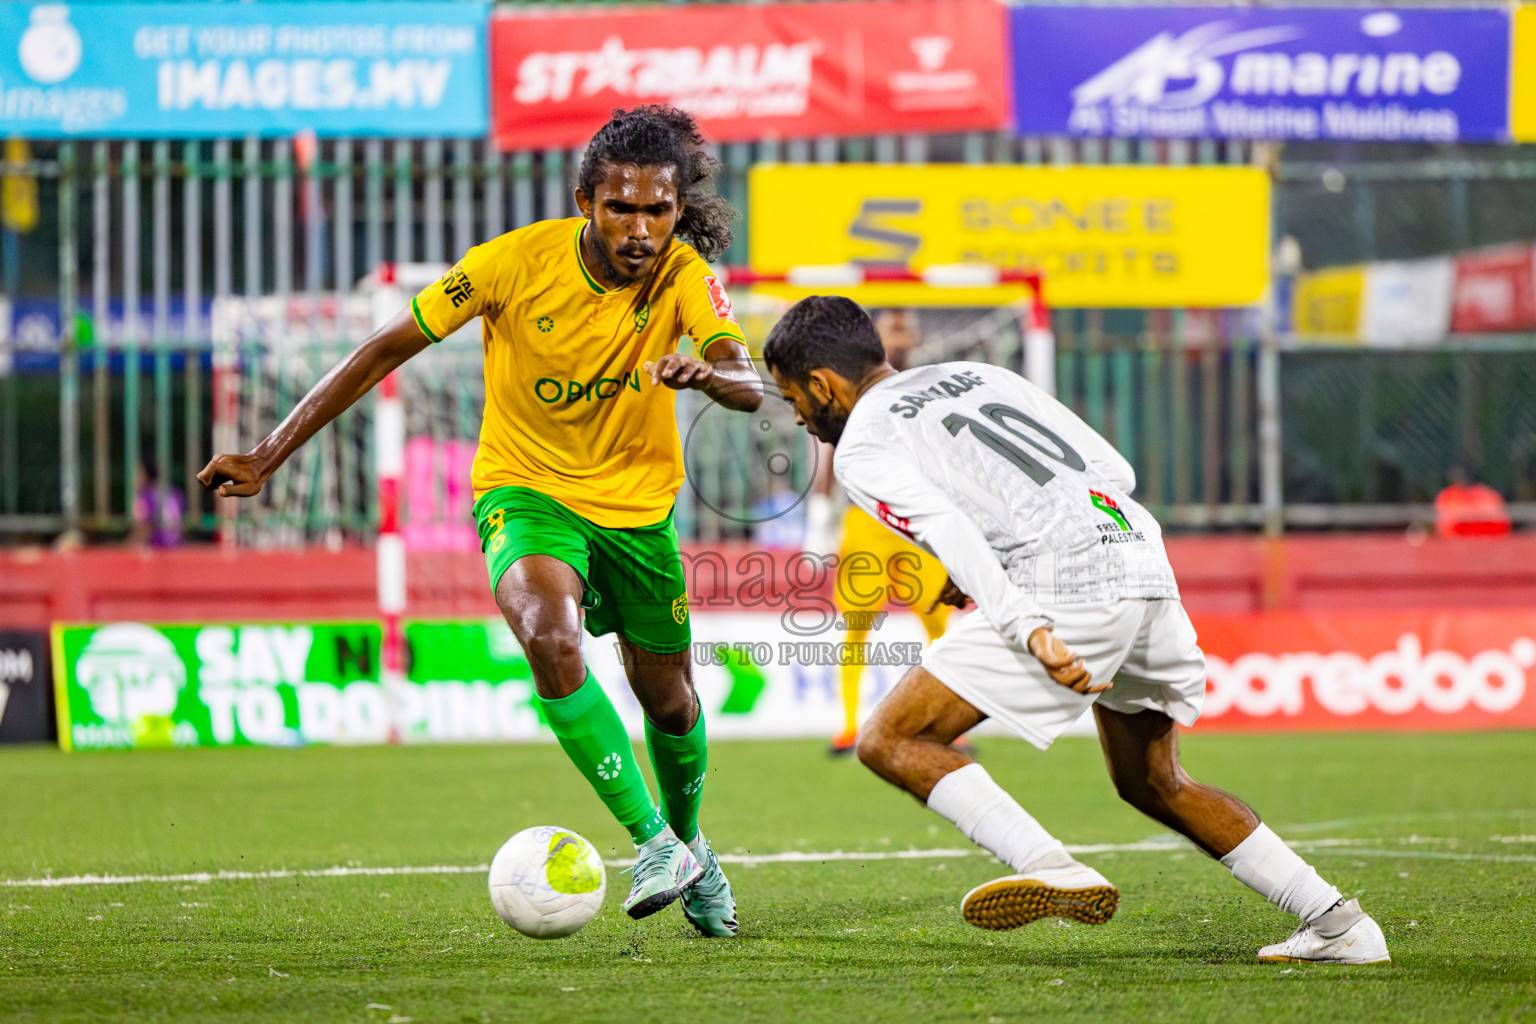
(709, 905)
(665, 870)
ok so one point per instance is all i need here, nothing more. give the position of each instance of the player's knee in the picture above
(873, 748)
(674, 713)
(554, 654)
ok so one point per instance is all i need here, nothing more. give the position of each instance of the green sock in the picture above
(592, 736)
(680, 762)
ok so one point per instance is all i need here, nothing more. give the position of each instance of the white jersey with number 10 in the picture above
(1024, 503)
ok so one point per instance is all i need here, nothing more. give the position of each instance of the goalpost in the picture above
(1039, 343)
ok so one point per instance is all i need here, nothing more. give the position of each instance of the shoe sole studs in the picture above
(1013, 903)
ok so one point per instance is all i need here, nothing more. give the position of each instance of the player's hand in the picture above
(233, 476)
(950, 595)
(1061, 662)
(678, 372)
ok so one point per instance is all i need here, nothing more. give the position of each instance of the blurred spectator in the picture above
(158, 509)
(1466, 508)
(900, 332)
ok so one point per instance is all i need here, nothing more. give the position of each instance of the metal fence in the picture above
(140, 244)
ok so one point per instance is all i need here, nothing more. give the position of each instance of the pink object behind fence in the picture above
(438, 498)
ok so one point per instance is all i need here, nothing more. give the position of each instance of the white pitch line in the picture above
(1486, 858)
(1338, 846)
(748, 859)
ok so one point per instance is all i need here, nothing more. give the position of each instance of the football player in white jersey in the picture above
(1031, 513)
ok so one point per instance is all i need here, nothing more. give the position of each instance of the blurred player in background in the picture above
(579, 462)
(1030, 512)
(875, 567)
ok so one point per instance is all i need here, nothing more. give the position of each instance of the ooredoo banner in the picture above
(1344, 73)
(1369, 670)
(207, 70)
(749, 71)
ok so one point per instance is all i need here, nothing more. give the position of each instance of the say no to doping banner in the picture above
(1103, 236)
(132, 685)
(748, 71)
(1346, 73)
(202, 69)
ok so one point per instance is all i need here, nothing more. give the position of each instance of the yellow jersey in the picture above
(568, 410)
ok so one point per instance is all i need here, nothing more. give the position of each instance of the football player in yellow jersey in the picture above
(875, 568)
(579, 462)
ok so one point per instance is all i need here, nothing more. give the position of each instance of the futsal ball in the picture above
(547, 882)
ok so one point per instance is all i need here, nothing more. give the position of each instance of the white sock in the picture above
(1273, 870)
(991, 818)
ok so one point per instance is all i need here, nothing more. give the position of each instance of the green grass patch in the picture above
(1443, 853)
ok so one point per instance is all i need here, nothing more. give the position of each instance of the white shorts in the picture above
(1147, 647)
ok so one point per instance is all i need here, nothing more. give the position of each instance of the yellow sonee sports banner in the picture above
(1102, 236)
(1523, 114)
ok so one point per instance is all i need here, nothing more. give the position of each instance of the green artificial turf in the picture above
(1442, 851)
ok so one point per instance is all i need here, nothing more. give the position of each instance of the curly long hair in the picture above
(658, 135)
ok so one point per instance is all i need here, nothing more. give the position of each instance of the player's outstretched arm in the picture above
(240, 476)
(728, 376)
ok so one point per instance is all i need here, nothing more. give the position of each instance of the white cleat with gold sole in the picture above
(1074, 891)
(1344, 935)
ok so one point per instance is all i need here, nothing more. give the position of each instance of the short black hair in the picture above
(657, 135)
(824, 331)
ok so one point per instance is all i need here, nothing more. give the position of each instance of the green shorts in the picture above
(633, 578)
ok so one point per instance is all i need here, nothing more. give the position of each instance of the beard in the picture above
(610, 271)
(613, 271)
(827, 423)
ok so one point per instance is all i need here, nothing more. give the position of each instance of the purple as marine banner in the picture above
(1406, 75)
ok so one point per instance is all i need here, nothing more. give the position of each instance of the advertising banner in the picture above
(1102, 236)
(26, 693)
(1369, 670)
(752, 70)
(131, 685)
(1495, 290)
(1407, 303)
(1325, 306)
(759, 674)
(1523, 114)
(195, 70)
(1351, 74)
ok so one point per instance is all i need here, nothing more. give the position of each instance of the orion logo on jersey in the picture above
(552, 392)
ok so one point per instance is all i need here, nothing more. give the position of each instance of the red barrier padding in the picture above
(1232, 575)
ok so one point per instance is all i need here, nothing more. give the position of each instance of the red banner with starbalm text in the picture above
(1358, 670)
(752, 71)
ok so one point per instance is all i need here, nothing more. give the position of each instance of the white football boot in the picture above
(1343, 935)
(1071, 890)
